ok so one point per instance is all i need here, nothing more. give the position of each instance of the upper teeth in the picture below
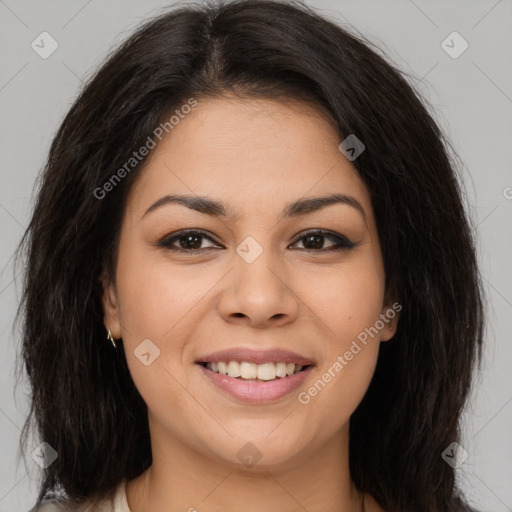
(265, 371)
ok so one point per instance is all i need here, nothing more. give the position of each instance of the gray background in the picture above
(472, 97)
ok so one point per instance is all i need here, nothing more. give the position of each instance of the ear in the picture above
(111, 316)
(390, 314)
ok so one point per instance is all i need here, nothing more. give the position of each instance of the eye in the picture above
(314, 239)
(189, 241)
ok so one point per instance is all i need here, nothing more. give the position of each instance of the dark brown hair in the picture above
(83, 400)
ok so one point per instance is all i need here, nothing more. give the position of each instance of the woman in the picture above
(317, 352)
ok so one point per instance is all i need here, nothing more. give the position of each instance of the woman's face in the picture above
(252, 280)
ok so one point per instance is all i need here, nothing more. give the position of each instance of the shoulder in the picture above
(116, 503)
(49, 506)
(69, 506)
(52, 506)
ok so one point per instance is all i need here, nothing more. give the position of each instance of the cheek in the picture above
(347, 301)
(342, 379)
(159, 302)
(348, 306)
(336, 393)
(156, 295)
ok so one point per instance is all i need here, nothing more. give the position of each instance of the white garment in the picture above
(118, 504)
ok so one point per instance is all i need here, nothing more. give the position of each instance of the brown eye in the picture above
(314, 240)
(191, 241)
(187, 241)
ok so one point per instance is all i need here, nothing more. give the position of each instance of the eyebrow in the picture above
(215, 208)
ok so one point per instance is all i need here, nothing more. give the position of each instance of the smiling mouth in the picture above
(251, 372)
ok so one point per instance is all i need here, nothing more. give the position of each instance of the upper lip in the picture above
(255, 356)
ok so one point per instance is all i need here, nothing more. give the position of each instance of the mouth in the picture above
(255, 376)
(251, 372)
(255, 384)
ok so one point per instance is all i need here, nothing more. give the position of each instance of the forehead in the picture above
(252, 153)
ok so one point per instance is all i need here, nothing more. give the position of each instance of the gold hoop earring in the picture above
(111, 338)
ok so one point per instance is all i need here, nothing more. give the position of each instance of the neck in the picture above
(182, 478)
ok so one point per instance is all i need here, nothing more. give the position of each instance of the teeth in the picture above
(267, 371)
(281, 369)
(245, 370)
(234, 369)
(248, 370)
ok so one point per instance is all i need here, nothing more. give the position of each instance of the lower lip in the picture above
(257, 392)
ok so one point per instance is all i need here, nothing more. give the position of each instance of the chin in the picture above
(260, 453)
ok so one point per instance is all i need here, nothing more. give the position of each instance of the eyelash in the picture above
(343, 243)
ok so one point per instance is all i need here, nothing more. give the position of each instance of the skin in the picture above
(256, 156)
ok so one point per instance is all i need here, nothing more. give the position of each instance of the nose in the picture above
(259, 294)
